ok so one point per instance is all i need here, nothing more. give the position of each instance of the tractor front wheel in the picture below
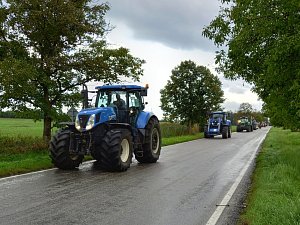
(59, 152)
(116, 150)
(225, 132)
(152, 146)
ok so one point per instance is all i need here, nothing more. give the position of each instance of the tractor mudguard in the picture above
(143, 119)
(228, 122)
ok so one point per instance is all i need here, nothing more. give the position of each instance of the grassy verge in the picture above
(180, 139)
(12, 164)
(19, 154)
(275, 193)
(27, 154)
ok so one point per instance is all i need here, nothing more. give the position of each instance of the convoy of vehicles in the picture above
(117, 127)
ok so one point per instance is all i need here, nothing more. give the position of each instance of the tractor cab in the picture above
(126, 100)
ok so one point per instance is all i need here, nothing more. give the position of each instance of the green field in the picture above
(20, 127)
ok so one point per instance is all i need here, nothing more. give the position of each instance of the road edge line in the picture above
(35, 172)
(221, 206)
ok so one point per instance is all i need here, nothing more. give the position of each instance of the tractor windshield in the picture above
(244, 120)
(216, 116)
(112, 99)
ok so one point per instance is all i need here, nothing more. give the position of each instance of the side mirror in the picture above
(144, 92)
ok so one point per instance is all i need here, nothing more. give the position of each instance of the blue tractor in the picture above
(218, 124)
(111, 132)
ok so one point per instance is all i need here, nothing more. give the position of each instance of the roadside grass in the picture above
(175, 129)
(180, 139)
(12, 164)
(21, 154)
(274, 197)
(233, 128)
(23, 150)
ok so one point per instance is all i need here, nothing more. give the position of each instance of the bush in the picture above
(174, 129)
(20, 144)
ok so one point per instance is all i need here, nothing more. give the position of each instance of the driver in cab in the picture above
(120, 103)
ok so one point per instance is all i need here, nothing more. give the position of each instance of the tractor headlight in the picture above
(91, 122)
(77, 124)
(84, 123)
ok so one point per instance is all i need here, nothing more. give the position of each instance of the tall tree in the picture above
(191, 93)
(48, 48)
(259, 42)
(245, 108)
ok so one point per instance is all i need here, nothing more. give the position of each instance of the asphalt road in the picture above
(183, 187)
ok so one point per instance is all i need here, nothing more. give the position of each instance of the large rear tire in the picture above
(59, 152)
(249, 129)
(152, 146)
(116, 150)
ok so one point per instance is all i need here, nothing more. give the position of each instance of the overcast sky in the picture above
(165, 33)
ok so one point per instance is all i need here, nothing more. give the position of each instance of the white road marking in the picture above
(224, 203)
(37, 172)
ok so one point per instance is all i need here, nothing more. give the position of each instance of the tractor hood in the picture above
(87, 119)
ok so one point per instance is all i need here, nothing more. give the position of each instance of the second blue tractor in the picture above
(218, 124)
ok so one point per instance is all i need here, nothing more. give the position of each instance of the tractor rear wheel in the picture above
(59, 152)
(116, 150)
(248, 128)
(152, 146)
(225, 132)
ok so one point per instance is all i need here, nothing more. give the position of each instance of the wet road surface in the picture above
(183, 187)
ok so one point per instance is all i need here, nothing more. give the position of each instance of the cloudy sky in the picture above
(165, 33)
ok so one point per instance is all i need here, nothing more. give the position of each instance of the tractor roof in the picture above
(120, 87)
(218, 112)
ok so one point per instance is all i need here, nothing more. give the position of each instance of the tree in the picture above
(192, 92)
(245, 108)
(259, 42)
(48, 49)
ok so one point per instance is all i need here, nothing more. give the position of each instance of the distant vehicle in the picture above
(244, 123)
(111, 132)
(218, 124)
(254, 124)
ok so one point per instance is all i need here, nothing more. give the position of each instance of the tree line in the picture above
(259, 42)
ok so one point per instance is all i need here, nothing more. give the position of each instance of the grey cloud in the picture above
(235, 86)
(177, 23)
(231, 106)
(234, 106)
